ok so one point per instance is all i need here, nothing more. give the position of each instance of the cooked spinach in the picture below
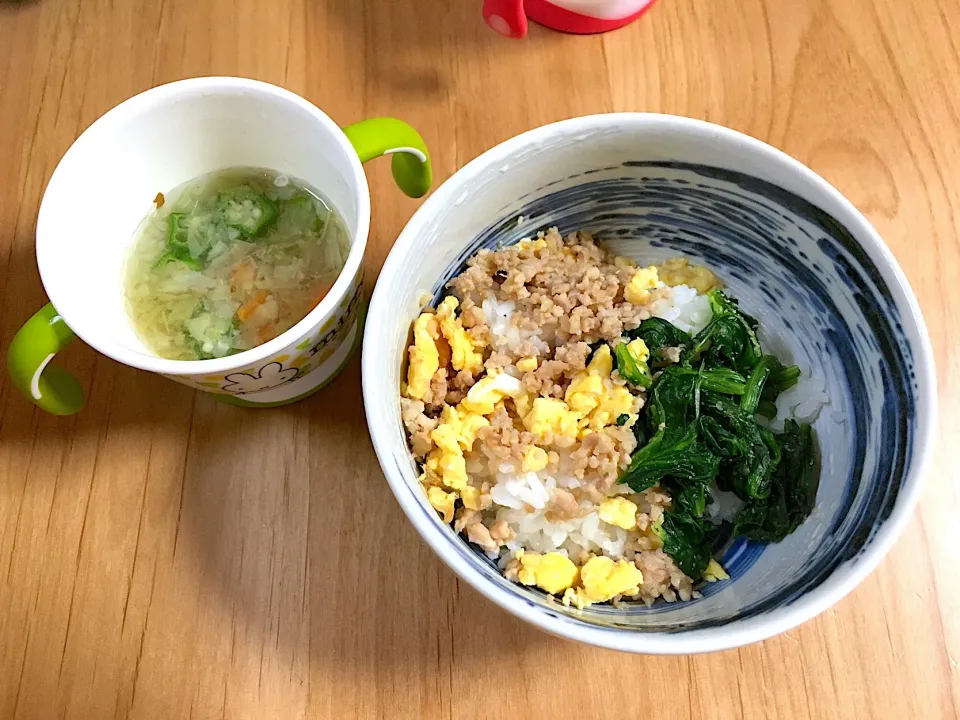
(730, 340)
(793, 490)
(699, 426)
(688, 539)
(723, 380)
(781, 378)
(658, 334)
(755, 383)
(748, 452)
(668, 455)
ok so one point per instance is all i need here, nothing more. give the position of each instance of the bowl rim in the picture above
(736, 633)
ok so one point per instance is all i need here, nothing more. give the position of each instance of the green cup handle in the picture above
(28, 361)
(385, 136)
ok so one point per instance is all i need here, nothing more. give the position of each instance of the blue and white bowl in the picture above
(795, 252)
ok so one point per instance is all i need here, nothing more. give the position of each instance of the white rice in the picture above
(505, 336)
(685, 308)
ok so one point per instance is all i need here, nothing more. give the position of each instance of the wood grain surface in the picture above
(165, 556)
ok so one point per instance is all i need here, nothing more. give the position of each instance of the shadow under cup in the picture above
(784, 243)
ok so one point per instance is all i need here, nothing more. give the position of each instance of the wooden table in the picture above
(165, 556)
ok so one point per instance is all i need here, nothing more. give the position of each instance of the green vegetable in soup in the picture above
(247, 210)
(177, 249)
(300, 211)
(209, 333)
(232, 260)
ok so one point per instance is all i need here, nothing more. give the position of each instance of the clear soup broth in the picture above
(229, 261)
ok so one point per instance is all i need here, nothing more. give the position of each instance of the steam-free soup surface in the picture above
(229, 261)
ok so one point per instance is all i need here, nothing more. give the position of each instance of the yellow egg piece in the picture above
(526, 365)
(638, 348)
(679, 271)
(715, 572)
(483, 397)
(553, 572)
(471, 497)
(450, 467)
(549, 415)
(445, 437)
(522, 403)
(459, 425)
(584, 392)
(575, 597)
(532, 244)
(462, 353)
(622, 262)
(618, 511)
(442, 502)
(534, 459)
(639, 287)
(615, 402)
(601, 363)
(603, 579)
(424, 356)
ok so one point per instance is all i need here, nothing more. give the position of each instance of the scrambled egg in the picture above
(584, 392)
(715, 572)
(617, 401)
(618, 511)
(552, 572)
(523, 404)
(458, 425)
(455, 434)
(602, 580)
(526, 365)
(602, 362)
(442, 502)
(549, 415)
(483, 397)
(679, 271)
(621, 262)
(463, 356)
(531, 244)
(424, 356)
(638, 348)
(471, 497)
(591, 394)
(639, 287)
(534, 459)
(450, 467)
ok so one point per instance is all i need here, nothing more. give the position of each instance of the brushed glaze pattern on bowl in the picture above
(818, 297)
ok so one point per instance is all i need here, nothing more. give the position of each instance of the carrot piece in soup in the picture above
(250, 307)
